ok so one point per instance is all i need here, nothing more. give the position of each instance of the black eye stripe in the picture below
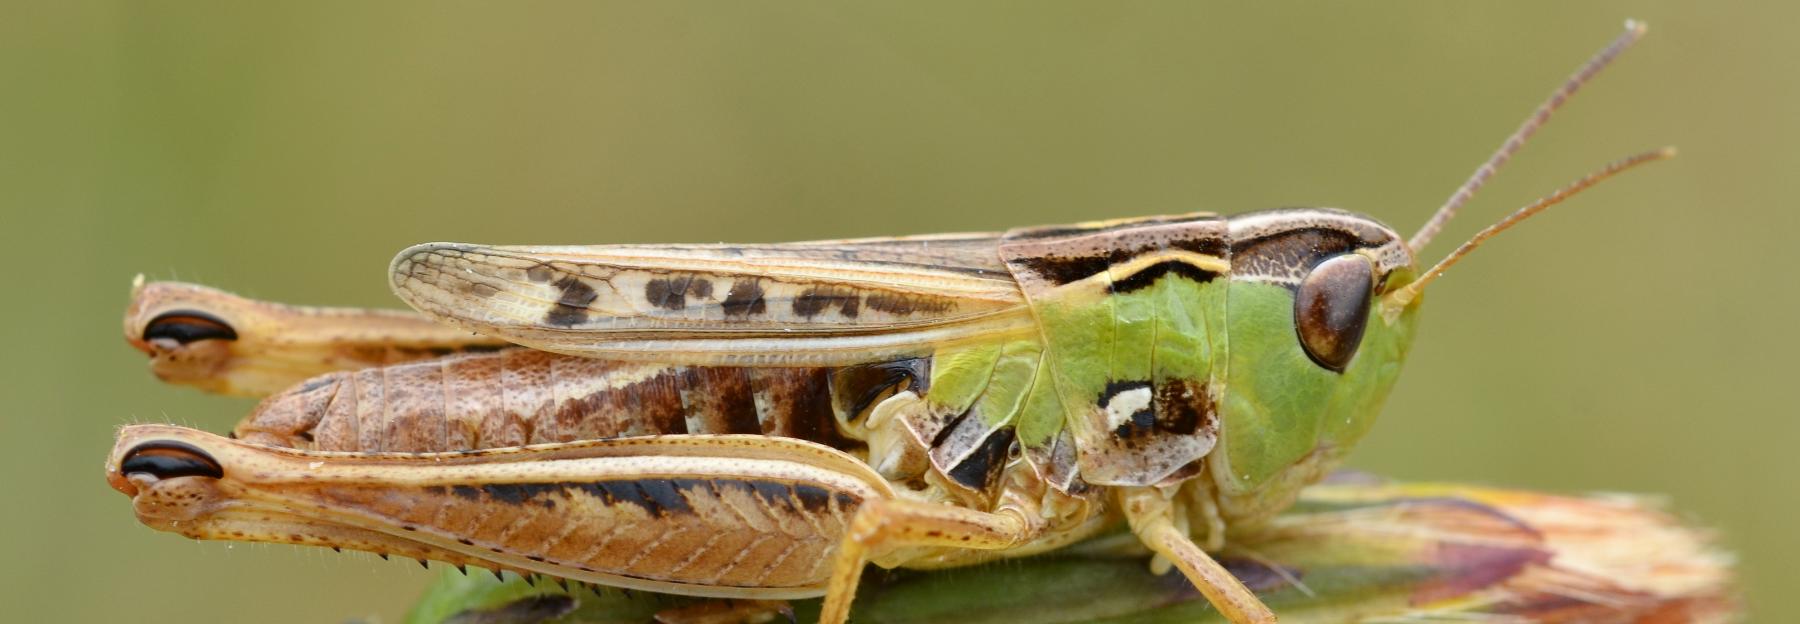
(165, 459)
(185, 326)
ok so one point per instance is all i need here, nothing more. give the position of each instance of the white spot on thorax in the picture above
(1122, 405)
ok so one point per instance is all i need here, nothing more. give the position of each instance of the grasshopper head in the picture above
(1320, 316)
(1314, 346)
(1321, 313)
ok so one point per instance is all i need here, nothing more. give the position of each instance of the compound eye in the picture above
(1331, 309)
(168, 460)
(186, 326)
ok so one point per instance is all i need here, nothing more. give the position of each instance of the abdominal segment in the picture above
(518, 397)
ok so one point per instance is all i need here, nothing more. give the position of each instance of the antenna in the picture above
(1399, 298)
(1633, 31)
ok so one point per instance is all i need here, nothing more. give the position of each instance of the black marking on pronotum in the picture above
(571, 308)
(671, 293)
(185, 326)
(1061, 270)
(1214, 246)
(744, 299)
(168, 459)
(812, 301)
(1148, 276)
(980, 468)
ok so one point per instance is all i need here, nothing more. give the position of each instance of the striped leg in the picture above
(1151, 518)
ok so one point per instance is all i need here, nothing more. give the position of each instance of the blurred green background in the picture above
(1638, 340)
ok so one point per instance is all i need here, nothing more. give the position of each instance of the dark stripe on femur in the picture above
(1148, 276)
(657, 497)
(981, 468)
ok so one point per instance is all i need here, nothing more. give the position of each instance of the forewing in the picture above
(802, 303)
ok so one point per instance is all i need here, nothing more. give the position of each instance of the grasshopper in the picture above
(762, 421)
